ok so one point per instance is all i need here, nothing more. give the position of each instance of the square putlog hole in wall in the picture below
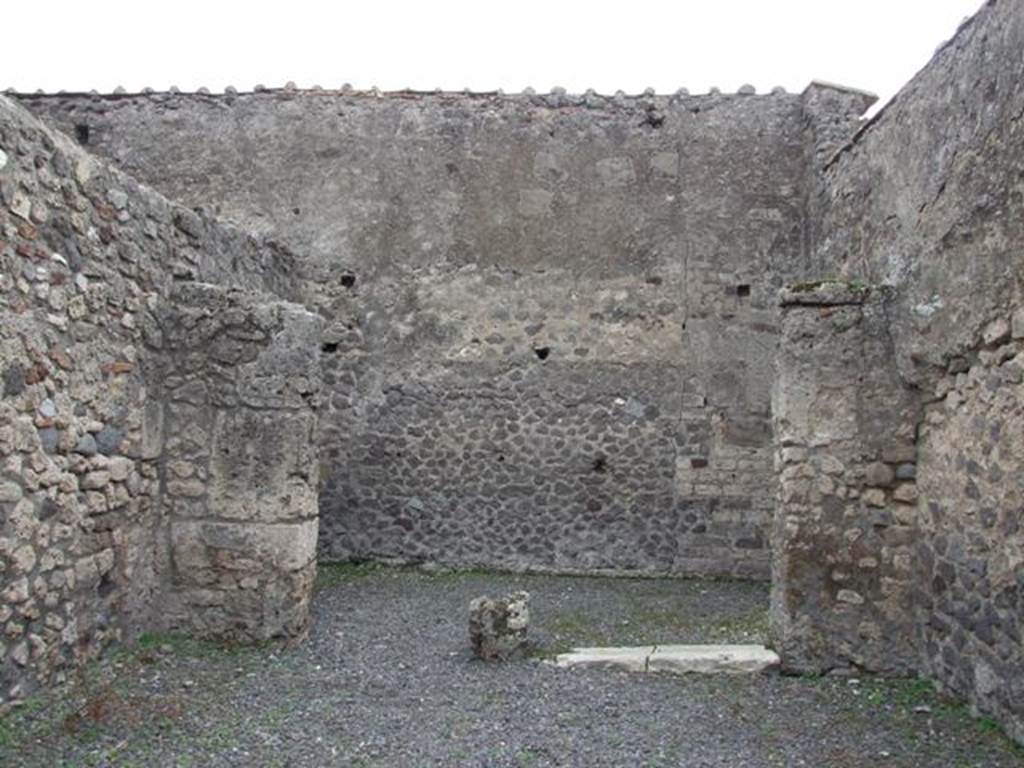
(742, 291)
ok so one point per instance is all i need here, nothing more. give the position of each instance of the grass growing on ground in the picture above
(82, 710)
(907, 703)
(182, 645)
(172, 700)
(332, 574)
(913, 698)
(12, 725)
(750, 627)
(103, 697)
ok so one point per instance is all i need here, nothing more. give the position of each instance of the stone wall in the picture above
(551, 317)
(237, 380)
(550, 335)
(87, 255)
(846, 525)
(971, 610)
(929, 200)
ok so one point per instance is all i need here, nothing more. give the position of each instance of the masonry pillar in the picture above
(237, 379)
(845, 521)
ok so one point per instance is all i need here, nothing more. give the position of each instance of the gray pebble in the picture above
(108, 440)
(86, 445)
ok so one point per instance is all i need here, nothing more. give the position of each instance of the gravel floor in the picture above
(386, 679)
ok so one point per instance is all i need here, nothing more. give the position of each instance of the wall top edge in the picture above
(558, 97)
(869, 98)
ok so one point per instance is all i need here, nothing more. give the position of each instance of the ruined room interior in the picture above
(732, 335)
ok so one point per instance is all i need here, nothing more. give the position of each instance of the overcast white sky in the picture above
(876, 45)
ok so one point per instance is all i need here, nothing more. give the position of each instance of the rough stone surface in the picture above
(925, 199)
(81, 436)
(239, 379)
(565, 303)
(626, 659)
(843, 578)
(550, 338)
(712, 659)
(928, 200)
(971, 553)
(497, 628)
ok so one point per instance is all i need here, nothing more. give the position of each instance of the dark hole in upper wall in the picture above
(742, 290)
(348, 279)
(600, 465)
(329, 348)
(82, 133)
(542, 352)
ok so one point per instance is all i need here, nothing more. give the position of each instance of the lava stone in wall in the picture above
(971, 609)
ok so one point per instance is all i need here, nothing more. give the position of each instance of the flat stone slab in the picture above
(627, 659)
(677, 659)
(712, 659)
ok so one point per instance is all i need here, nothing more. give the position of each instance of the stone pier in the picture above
(238, 380)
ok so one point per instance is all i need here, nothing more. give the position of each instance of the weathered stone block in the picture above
(497, 628)
(263, 466)
(626, 659)
(95, 480)
(835, 389)
(879, 475)
(712, 659)
(252, 548)
(906, 493)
